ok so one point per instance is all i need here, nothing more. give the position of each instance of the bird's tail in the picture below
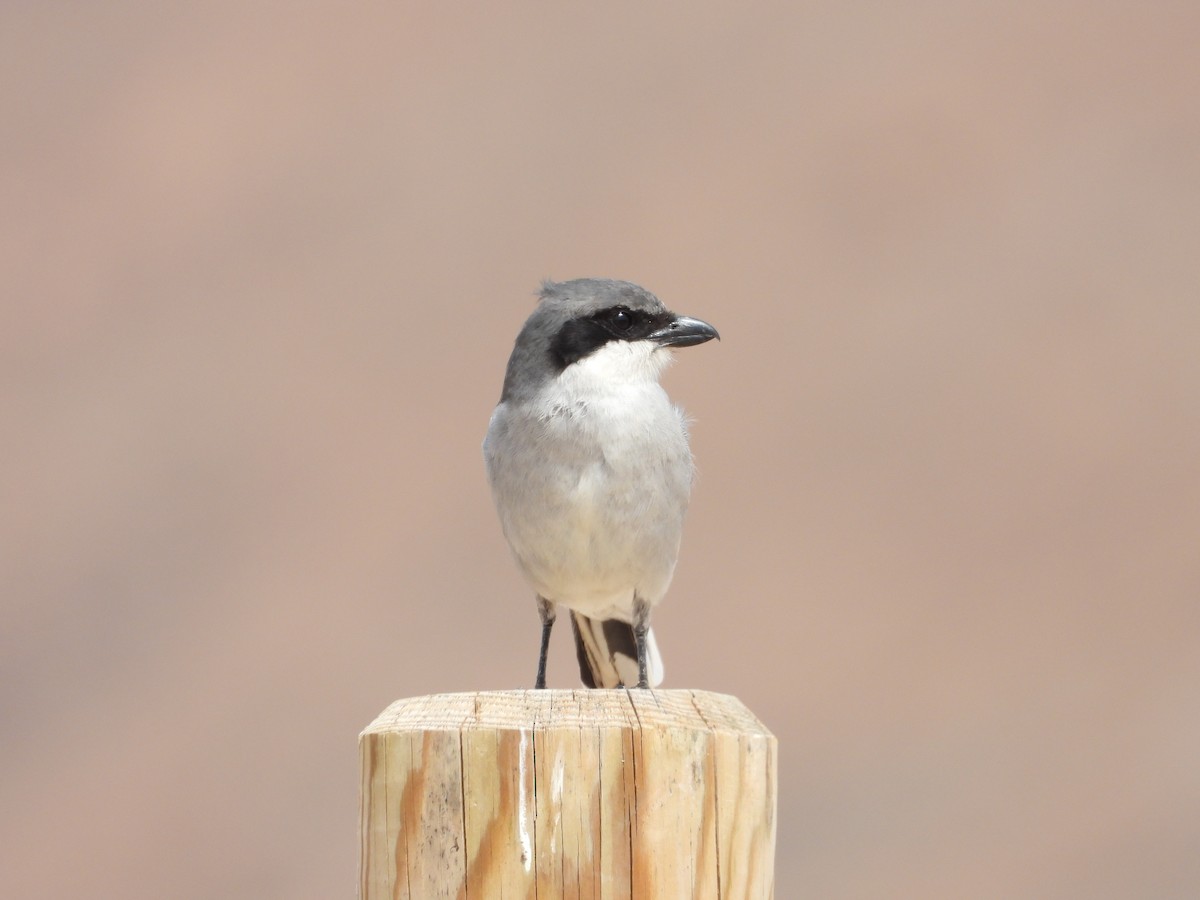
(607, 653)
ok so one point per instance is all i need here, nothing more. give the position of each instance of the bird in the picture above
(591, 471)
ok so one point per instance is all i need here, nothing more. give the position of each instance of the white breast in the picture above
(592, 480)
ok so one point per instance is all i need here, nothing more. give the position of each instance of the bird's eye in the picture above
(621, 319)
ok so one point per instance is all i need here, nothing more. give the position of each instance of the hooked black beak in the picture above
(684, 331)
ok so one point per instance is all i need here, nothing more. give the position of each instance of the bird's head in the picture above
(613, 325)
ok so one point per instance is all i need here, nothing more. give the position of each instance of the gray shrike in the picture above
(590, 468)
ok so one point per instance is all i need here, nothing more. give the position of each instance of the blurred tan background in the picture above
(263, 265)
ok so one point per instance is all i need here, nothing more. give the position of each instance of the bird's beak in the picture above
(684, 331)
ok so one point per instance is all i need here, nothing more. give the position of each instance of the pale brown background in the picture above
(262, 268)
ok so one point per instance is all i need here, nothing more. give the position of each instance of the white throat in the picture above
(615, 366)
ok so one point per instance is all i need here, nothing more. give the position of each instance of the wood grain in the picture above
(573, 794)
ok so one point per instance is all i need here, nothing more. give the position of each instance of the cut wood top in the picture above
(548, 709)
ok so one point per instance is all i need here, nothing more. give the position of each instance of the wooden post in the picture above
(572, 794)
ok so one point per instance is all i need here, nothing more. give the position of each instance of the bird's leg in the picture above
(546, 611)
(641, 624)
